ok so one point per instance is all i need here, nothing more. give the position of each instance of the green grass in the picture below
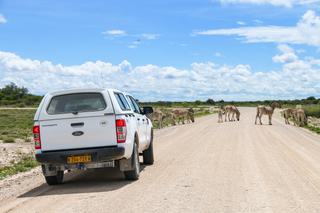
(202, 113)
(313, 129)
(26, 164)
(312, 110)
(16, 123)
(8, 140)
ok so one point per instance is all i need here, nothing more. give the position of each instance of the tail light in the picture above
(121, 130)
(36, 137)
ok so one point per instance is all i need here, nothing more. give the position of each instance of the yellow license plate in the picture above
(79, 159)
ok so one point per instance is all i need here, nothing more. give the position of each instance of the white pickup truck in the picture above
(91, 128)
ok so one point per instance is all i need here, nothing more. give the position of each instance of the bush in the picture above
(12, 95)
(312, 110)
(21, 105)
(8, 140)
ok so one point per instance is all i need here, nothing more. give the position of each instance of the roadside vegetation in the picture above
(16, 124)
(312, 110)
(25, 164)
(14, 96)
(313, 128)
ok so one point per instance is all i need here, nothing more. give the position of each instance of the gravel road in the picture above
(200, 167)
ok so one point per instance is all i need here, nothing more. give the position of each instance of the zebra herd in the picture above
(229, 110)
(297, 115)
(231, 113)
(175, 116)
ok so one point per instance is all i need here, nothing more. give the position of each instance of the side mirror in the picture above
(147, 110)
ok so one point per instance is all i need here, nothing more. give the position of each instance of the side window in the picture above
(123, 103)
(124, 100)
(130, 103)
(135, 105)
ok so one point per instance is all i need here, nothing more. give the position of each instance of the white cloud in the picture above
(134, 44)
(288, 54)
(257, 21)
(3, 20)
(121, 33)
(241, 23)
(307, 31)
(115, 32)
(296, 79)
(112, 34)
(217, 54)
(284, 3)
(148, 36)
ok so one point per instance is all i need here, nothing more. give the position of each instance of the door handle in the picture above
(77, 124)
(138, 119)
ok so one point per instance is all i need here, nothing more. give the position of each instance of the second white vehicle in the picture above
(91, 128)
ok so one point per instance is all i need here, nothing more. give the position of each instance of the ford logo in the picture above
(77, 133)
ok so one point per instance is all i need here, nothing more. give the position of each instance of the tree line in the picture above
(12, 95)
(307, 101)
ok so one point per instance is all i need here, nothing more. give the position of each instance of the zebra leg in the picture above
(270, 117)
(257, 116)
(260, 119)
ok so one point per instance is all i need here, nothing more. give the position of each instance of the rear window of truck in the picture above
(77, 102)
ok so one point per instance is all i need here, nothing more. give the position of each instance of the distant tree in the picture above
(13, 91)
(210, 101)
(198, 102)
(12, 95)
(311, 98)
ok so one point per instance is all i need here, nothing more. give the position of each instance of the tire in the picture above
(134, 174)
(148, 153)
(56, 179)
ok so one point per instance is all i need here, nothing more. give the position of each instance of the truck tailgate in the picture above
(78, 133)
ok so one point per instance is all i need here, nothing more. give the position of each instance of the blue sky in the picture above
(69, 40)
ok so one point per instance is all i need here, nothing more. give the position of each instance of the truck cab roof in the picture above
(69, 91)
(108, 96)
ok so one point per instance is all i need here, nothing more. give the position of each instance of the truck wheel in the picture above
(56, 179)
(148, 153)
(134, 174)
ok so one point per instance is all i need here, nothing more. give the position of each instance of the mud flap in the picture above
(126, 164)
(49, 170)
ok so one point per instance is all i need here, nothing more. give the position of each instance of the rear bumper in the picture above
(102, 154)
